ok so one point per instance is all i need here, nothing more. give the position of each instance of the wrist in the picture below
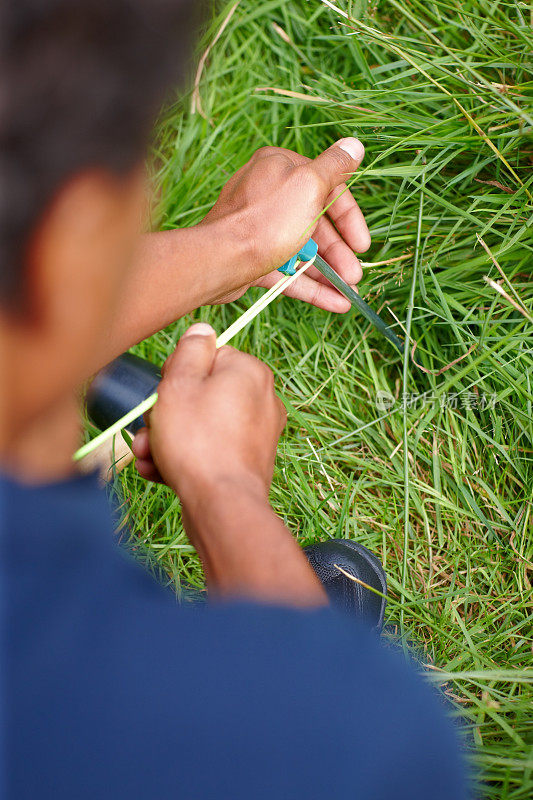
(246, 550)
(231, 256)
(222, 518)
(199, 493)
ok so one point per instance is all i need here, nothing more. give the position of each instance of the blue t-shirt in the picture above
(112, 690)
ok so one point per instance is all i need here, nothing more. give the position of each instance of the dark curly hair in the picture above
(81, 82)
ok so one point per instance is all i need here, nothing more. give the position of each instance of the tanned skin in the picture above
(95, 286)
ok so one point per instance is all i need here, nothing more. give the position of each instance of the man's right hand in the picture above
(217, 420)
(212, 437)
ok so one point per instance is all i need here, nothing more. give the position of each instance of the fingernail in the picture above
(199, 329)
(353, 147)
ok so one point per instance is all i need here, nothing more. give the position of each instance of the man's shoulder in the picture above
(129, 694)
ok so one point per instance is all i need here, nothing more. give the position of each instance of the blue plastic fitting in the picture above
(308, 251)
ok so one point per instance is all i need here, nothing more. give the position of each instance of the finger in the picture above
(194, 354)
(348, 218)
(338, 161)
(290, 156)
(167, 363)
(228, 359)
(148, 470)
(306, 288)
(140, 446)
(336, 252)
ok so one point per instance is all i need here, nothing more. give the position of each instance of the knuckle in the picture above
(163, 401)
(225, 351)
(312, 184)
(228, 357)
(261, 373)
(268, 377)
(168, 364)
(263, 152)
(165, 393)
(327, 252)
(261, 369)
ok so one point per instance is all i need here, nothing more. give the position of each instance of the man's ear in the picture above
(77, 258)
(80, 245)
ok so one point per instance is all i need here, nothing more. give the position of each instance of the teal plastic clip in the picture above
(308, 251)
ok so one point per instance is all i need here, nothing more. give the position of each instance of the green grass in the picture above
(439, 485)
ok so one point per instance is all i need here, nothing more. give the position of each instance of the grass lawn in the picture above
(430, 467)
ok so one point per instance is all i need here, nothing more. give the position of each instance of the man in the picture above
(110, 689)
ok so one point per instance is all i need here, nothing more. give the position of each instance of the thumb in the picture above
(336, 163)
(194, 354)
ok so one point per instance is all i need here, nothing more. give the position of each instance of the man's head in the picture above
(81, 82)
